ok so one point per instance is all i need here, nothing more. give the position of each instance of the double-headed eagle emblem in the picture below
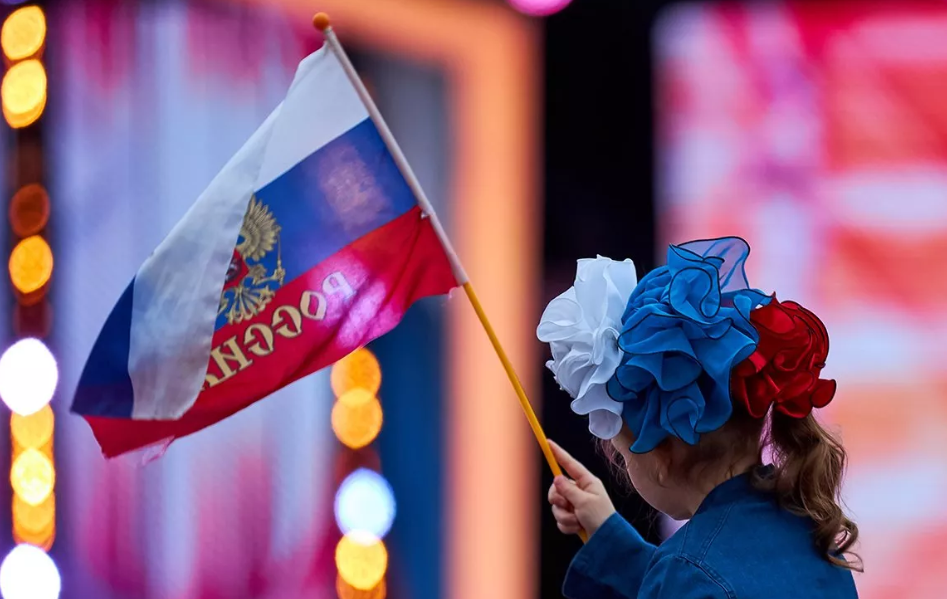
(250, 285)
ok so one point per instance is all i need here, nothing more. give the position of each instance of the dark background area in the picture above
(599, 190)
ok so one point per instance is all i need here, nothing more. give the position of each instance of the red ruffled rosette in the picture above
(784, 370)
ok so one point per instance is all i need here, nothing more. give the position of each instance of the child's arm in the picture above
(612, 565)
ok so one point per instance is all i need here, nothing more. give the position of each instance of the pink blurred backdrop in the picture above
(818, 131)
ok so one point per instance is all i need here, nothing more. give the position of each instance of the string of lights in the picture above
(28, 370)
(364, 502)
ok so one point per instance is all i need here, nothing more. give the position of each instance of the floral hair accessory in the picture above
(582, 327)
(685, 327)
(784, 370)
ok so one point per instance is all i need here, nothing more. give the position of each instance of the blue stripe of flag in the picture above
(343, 191)
(105, 388)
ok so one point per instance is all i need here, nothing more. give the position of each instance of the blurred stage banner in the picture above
(818, 131)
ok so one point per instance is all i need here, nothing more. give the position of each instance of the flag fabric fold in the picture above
(307, 245)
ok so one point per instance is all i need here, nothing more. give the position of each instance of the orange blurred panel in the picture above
(891, 267)
(878, 115)
(871, 429)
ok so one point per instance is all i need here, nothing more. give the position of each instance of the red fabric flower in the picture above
(784, 370)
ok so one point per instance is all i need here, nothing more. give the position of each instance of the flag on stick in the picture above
(312, 241)
(308, 244)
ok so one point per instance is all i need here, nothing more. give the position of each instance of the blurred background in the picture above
(544, 131)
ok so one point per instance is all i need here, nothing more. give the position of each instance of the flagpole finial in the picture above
(321, 21)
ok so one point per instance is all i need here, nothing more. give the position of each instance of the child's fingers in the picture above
(556, 498)
(572, 466)
(569, 530)
(572, 492)
(564, 517)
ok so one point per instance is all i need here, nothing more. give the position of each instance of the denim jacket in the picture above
(739, 545)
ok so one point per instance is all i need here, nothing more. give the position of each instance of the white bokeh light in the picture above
(539, 8)
(365, 504)
(28, 376)
(28, 573)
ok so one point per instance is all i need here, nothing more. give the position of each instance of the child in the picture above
(691, 374)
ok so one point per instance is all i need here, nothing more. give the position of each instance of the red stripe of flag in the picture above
(353, 297)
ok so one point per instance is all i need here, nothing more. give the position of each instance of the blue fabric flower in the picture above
(686, 325)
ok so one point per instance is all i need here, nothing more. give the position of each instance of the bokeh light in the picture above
(31, 264)
(357, 419)
(23, 33)
(28, 376)
(38, 538)
(346, 591)
(356, 398)
(365, 503)
(539, 8)
(33, 476)
(35, 519)
(35, 430)
(29, 210)
(23, 93)
(362, 560)
(358, 370)
(19, 121)
(28, 572)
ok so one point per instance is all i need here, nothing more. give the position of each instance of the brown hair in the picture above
(809, 464)
(806, 478)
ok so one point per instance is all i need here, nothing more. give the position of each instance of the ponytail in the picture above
(809, 464)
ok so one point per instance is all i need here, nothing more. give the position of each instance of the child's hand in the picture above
(581, 503)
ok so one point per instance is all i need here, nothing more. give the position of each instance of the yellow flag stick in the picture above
(322, 23)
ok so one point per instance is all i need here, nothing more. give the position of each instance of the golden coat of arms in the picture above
(250, 283)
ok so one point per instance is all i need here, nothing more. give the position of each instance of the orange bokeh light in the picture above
(23, 93)
(34, 519)
(346, 591)
(362, 561)
(23, 33)
(29, 210)
(358, 370)
(357, 418)
(33, 476)
(31, 264)
(40, 538)
(35, 430)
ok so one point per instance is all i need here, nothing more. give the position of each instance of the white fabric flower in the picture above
(581, 327)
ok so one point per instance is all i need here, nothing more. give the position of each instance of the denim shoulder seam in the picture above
(705, 546)
(712, 575)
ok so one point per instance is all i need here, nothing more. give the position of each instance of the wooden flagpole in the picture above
(322, 23)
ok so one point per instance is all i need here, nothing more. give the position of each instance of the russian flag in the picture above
(306, 246)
